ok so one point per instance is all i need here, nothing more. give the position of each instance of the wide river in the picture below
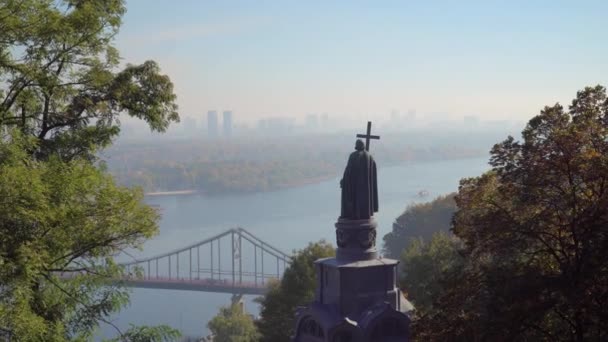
(288, 219)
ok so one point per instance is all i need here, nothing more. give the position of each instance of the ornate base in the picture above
(356, 239)
(355, 301)
(379, 323)
(357, 298)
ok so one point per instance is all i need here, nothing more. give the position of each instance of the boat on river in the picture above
(423, 193)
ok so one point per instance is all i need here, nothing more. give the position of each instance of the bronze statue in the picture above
(359, 185)
(357, 297)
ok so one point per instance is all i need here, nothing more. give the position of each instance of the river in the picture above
(288, 219)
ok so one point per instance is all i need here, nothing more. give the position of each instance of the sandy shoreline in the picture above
(300, 183)
(171, 193)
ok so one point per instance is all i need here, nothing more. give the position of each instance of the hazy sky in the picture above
(494, 59)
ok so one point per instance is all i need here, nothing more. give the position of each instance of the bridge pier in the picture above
(240, 262)
(232, 237)
(211, 249)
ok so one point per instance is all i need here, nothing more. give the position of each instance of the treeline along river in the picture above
(288, 219)
(242, 166)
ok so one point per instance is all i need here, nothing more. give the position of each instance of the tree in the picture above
(420, 221)
(296, 288)
(425, 264)
(60, 99)
(160, 333)
(535, 230)
(58, 78)
(231, 324)
(59, 217)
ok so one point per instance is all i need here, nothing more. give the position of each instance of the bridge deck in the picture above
(205, 285)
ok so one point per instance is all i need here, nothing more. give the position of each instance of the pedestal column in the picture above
(356, 239)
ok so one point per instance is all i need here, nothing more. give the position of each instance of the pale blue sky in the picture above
(495, 59)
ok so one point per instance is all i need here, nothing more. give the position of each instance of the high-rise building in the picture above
(324, 120)
(227, 122)
(470, 120)
(394, 116)
(312, 121)
(411, 114)
(212, 123)
(189, 126)
(276, 125)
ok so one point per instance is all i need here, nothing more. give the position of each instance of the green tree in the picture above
(535, 230)
(296, 288)
(420, 221)
(60, 216)
(424, 265)
(59, 80)
(232, 324)
(160, 333)
(61, 94)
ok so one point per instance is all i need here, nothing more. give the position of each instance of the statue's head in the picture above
(359, 145)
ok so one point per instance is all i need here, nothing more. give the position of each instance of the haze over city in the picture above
(271, 171)
(450, 60)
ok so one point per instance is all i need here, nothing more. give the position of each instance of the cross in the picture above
(368, 135)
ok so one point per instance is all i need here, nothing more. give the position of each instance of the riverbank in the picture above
(283, 186)
(172, 193)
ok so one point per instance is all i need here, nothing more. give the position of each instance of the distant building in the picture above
(227, 123)
(188, 126)
(262, 124)
(324, 121)
(212, 123)
(411, 114)
(276, 125)
(312, 121)
(470, 120)
(395, 116)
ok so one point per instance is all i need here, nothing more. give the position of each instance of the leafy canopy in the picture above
(421, 220)
(232, 324)
(160, 333)
(424, 265)
(58, 217)
(59, 77)
(535, 230)
(296, 288)
(61, 94)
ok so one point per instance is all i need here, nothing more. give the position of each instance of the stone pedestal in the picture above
(357, 298)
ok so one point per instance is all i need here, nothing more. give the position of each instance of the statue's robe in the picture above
(359, 187)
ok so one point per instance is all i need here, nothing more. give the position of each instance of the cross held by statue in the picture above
(368, 136)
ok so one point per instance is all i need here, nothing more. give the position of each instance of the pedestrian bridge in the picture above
(234, 261)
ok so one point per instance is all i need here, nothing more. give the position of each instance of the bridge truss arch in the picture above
(234, 261)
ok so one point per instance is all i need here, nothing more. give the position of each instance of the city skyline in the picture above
(494, 61)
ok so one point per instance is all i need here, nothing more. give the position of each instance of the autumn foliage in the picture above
(535, 234)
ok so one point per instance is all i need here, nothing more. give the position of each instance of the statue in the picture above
(359, 185)
(356, 297)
